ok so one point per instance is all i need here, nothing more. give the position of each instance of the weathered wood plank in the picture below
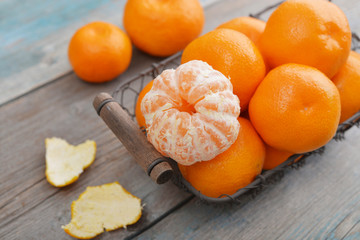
(354, 232)
(314, 202)
(34, 37)
(348, 227)
(64, 109)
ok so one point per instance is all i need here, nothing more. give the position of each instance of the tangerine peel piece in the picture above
(105, 207)
(65, 162)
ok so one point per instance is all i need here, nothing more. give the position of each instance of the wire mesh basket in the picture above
(132, 88)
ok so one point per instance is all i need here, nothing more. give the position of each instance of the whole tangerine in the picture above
(231, 170)
(162, 28)
(234, 55)
(296, 108)
(310, 32)
(99, 52)
(347, 80)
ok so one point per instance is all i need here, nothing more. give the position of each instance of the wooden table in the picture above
(41, 97)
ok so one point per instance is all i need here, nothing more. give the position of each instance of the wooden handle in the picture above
(133, 138)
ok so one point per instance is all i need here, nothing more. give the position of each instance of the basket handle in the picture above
(134, 140)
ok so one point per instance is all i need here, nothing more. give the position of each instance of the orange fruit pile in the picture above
(293, 108)
(294, 74)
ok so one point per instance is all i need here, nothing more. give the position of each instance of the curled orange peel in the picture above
(106, 207)
(65, 162)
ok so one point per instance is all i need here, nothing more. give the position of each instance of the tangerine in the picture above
(234, 55)
(251, 27)
(310, 32)
(296, 108)
(99, 51)
(162, 28)
(138, 114)
(274, 157)
(231, 170)
(347, 80)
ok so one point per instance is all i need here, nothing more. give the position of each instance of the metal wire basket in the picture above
(132, 88)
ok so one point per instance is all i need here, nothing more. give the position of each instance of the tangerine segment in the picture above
(313, 33)
(209, 125)
(108, 207)
(347, 80)
(65, 162)
(231, 170)
(296, 108)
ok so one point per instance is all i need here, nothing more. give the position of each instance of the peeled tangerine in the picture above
(65, 162)
(191, 113)
(108, 207)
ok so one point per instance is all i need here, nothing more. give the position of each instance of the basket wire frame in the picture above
(135, 84)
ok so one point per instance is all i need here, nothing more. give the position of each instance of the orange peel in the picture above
(191, 113)
(65, 162)
(105, 207)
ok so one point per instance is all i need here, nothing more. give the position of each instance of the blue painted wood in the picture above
(34, 35)
(25, 22)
